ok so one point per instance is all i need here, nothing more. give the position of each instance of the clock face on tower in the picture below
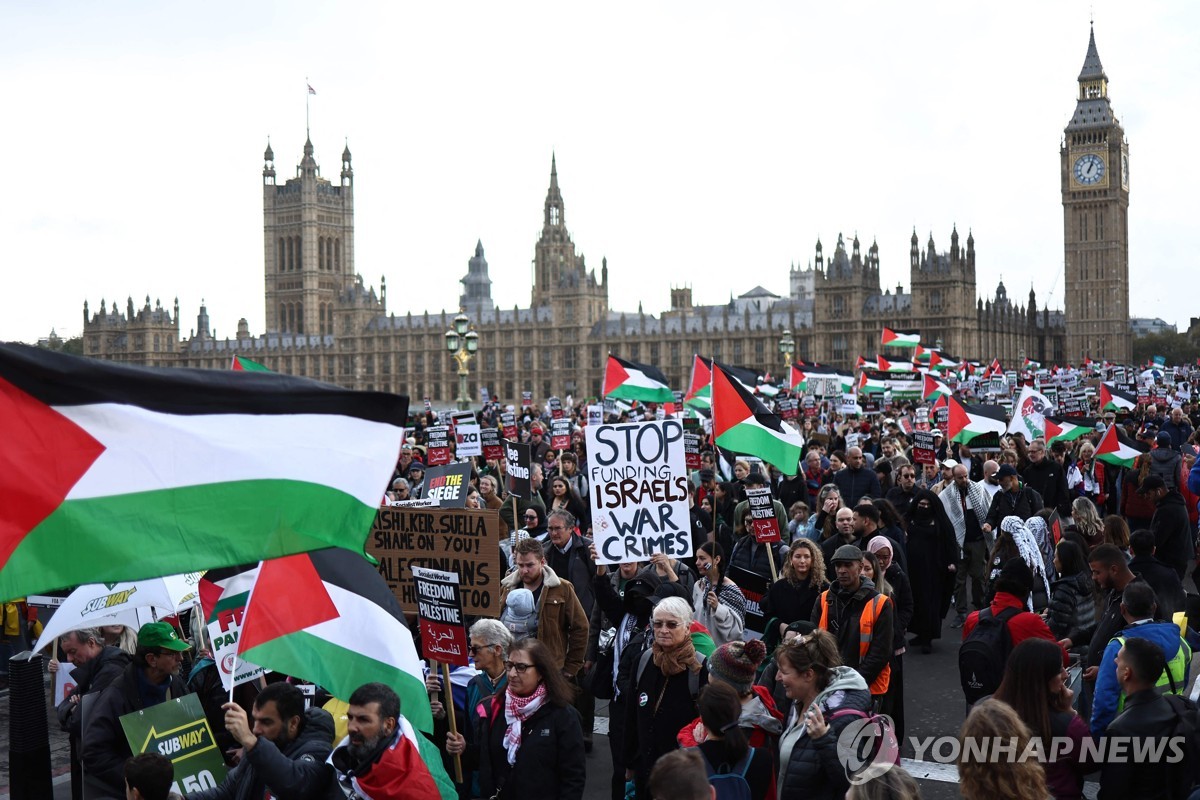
(1089, 169)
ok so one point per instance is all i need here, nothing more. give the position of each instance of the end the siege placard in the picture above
(465, 541)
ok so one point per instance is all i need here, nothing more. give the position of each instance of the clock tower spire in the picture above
(1095, 196)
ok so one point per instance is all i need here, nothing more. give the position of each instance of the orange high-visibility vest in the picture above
(866, 630)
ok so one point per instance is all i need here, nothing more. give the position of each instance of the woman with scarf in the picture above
(1086, 476)
(531, 742)
(717, 601)
(932, 566)
(1017, 541)
(666, 683)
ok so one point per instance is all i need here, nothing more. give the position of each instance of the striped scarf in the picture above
(516, 711)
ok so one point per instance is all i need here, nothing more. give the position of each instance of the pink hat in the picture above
(879, 543)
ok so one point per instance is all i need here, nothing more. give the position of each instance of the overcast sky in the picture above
(699, 143)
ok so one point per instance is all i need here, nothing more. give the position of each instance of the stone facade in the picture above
(324, 322)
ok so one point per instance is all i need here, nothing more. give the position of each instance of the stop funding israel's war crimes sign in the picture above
(639, 493)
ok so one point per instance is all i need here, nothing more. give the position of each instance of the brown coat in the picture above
(562, 623)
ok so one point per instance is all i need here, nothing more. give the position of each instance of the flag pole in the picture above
(307, 92)
(448, 691)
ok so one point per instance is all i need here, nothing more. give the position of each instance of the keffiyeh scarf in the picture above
(516, 711)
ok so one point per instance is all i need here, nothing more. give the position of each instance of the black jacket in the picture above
(903, 604)
(1146, 714)
(94, 676)
(1049, 480)
(1024, 504)
(103, 747)
(550, 764)
(576, 566)
(298, 772)
(845, 611)
(1173, 532)
(751, 555)
(854, 484)
(1165, 583)
(1072, 610)
(651, 727)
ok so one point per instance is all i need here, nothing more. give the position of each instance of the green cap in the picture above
(160, 634)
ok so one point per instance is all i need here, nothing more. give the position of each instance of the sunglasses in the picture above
(518, 666)
(473, 649)
(671, 624)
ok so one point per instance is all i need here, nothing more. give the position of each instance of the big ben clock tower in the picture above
(1095, 197)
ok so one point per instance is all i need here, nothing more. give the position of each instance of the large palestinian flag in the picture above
(628, 380)
(146, 472)
(411, 765)
(1029, 413)
(968, 421)
(328, 617)
(934, 388)
(741, 423)
(1118, 449)
(1113, 399)
(699, 393)
(884, 365)
(802, 371)
(899, 338)
(1069, 428)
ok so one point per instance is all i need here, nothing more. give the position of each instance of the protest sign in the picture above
(849, 407)
(516, 470)
(595, 414)
(560, 434)
(810, 406)
(437, 445)
(526, 399)
(691, 450)
(428, 406)
(465, 541)
(508, 425)
(448, 485)
(638, 491)
(489, 444)
(440, 615)
(423, 502)
(467, 439)
(484, 397)
(178, 730)
(762, 514)
(224, 632)
(555, 406)
(941, 417)
(754, 589)
(678, 401)
(923, 451)
(64, 682)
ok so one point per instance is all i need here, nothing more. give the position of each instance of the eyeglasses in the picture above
(518, 666)
(671, 624)
(475, 648)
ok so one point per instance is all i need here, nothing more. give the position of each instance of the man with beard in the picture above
(283, 754)
(966, 505)
(932, 560)
(383, 757)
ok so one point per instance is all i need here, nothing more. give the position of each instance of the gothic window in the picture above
(553, 215)
(760, 353)
(419, 363)
(1100, 224)
(282, 254)
(674, 354)
(635, 351)
(569, 357)
(508, 389)
(595, 356)
(510, 361)
(291, 253)
(718, 347)
(654, 351)
(935, 300)
(300, 318)
(156, 343)
(489, 360)
(347, 366)
(282, 318)
(1083, 226)
(569, 311)
(321, 253)
(527, 360)
(369, 362)
(299, 253)
(402, 363)
(737, 351)
(337, 255)
(839, 348)
(839, 305)
(547, 390)
(291, 318)
(329, 254)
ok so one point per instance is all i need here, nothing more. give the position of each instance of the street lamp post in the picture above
(462, 342)
(787, 347)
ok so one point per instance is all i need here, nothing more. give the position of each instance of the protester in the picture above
(932, 561)
(966, 505)
(1086, 478)
(1087, 522)
(1162, 578)
(149, 680)
(674, 570)
(1165, 462)
(735, 664)
(1138, 609)
(856, 480)
(122, 637)
(376, 759)
(559, 618)
(1110, 573)
(891, 581)
(563, 497)
(982, 778)
(149, 776)
(821, 689)
(1173, 531)
(793, 596)
(283, 752)
(1016, 541)
(531, 742)
(724, 744)
(895, 784)
(752, 555)
(717, 601)
(1013, 499)
(823, 523)
(1047, 478)
(665, 686)
(1013, 585)
(204, 680)
(1035, 685)
(797, 526)
(1072, 610)
(489, 645)
(860, 620)
(680, 775)
(1116, 532)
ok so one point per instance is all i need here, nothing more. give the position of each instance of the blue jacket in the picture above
(1108, 690)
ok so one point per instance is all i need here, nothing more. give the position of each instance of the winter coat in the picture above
(1024, 504)
(298, 771)
(656, 707)
(562, 622)
(103, 749)
(576, 566)
(855, 484)
(1164, 462)
(809, 769)
(550, 763)
(845, 615)
(1173, 534)
(1164, 581)
(1048, 479)
(92, 677)
(1072, 607)
(751, 555)
(1108, 694)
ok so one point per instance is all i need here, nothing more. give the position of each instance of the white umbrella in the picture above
(97, 604)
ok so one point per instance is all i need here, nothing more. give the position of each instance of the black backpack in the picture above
(984, 653)
(1186, 773)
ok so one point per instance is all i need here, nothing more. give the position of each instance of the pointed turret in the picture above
(554, 212)
(308, 164)
(1092, 109)
(914, 251)
(1092, 68)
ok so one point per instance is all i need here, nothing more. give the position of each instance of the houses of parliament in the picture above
(324, 322)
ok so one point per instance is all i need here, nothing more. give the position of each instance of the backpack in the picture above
(1187, 725)
(984, 653)
(885, 749)
(729, 782)
(693, 674)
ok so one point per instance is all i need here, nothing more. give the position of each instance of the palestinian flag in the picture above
(162, 471)
(411, 761)
(968, 421)
(627, 380)
(1113, 399)
(1029, 363)
(861, 363)
(226, 589)
(869, 385)
(246, 365)
(1118, 449)
(328, 617)
(1069, 428)
(742, 423)
(994, 369)
(934, 388)
(884, 365)
(898, 338)
(699, 394)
